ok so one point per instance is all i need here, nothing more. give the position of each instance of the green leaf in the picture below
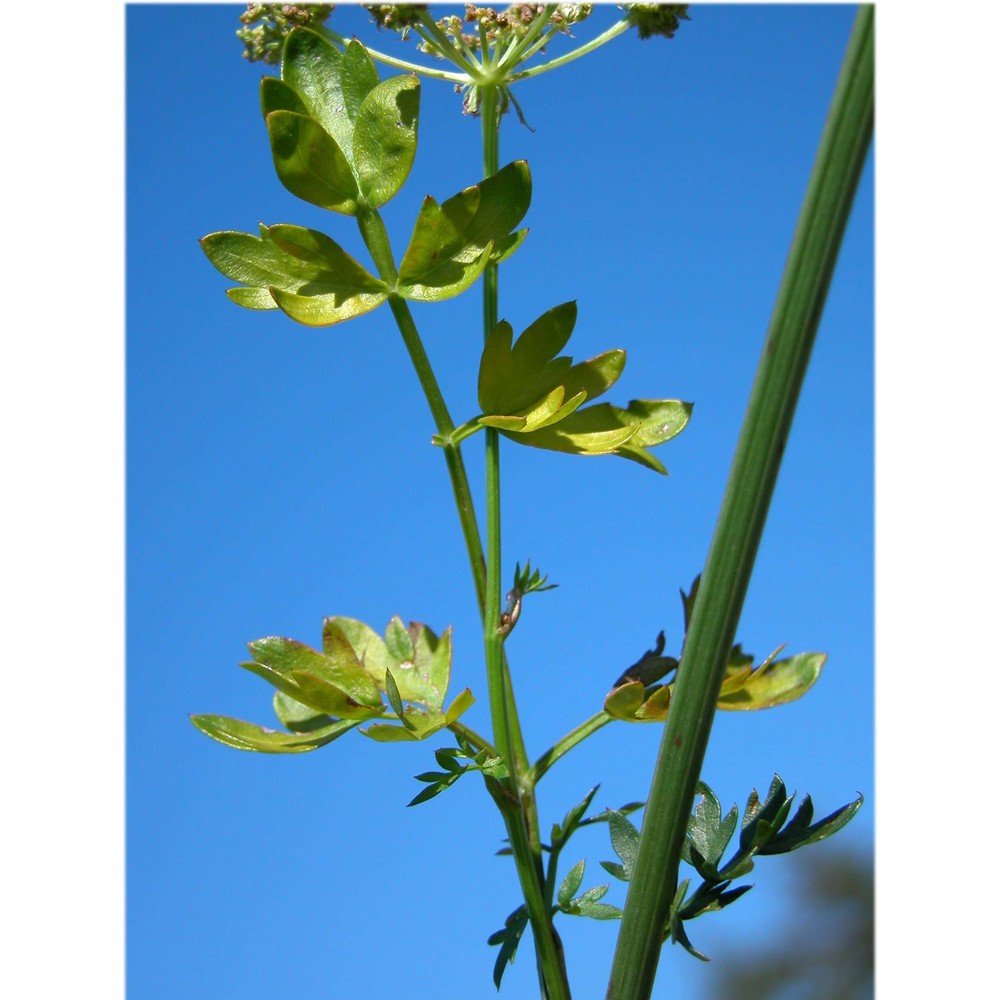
(656, 705)
(365, 641)
(625, 841)
(592, 430)
(332, 699)
(310, 164)
(332, 270)
(761, 820)
(461, 229)
(616, 870)
(283, 682)
(658, 420)
(358, 77)
(395, 701)
(252, 298)
(439, 785)
(587, 907)
(385, 138)
(605, 429)
(504, 423)
(625, 700)
(385, 733)
(247, 736)
(512, 376)
(419, 659)
(311, 66)
(398, 641)
(462, 703)
(426, 682)
(292, 261)
(296, 716)
(571, 883)
(278, 96)
(340, 668)
(707, 831)
(562, 833)
(603, 817)
(506, 246)
(325, 310)
(446, 758)
(536, 346)
(631, 702)
(775, 683)
(252, 260)
(450, 279)
(687, 600)
(799, 834)
(508, 938)
(417, 724)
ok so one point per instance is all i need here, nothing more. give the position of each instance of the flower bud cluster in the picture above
(506, 25)
(396, 16)
(657, 18)
(266, 24)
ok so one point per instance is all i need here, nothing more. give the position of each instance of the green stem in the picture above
(443, 44)
(563, 746)
(461, 729)
(520, 815)
(595, 43)
(459, 434)
(452, 454)
(377, 241)
(790, 336)
(514, 54)
(403, 64)
(540, 43)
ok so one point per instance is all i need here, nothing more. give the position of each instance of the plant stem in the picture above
(595, 43)
(442, 43)
(563, 746)
(461, 729)
(377, 241)
(520, 815)
(403, 64)
(515, 53)
(780, 373)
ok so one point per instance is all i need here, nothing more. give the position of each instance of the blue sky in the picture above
(279, 474)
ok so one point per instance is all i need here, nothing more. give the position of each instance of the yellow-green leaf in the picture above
(247, 736)
(775, 683)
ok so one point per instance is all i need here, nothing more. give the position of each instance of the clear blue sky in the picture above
(278, 474)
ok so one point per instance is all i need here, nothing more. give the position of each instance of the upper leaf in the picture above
(311, 66)
(365, 641)
(310, 670)
(278, 96)
(352, 137)
(301, 270)
(296, 717)
(449, 237)
(310, 163)
(385, 138)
